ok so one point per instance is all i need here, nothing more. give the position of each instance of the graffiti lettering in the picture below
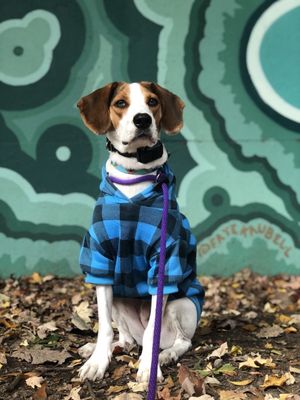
(259, 230)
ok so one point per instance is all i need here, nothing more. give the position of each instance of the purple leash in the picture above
(161, 178)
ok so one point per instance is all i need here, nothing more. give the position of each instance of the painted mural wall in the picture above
(235, 63)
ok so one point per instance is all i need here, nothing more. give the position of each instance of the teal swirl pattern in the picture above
(237, 160)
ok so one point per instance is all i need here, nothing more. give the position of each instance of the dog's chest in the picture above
(132, 190)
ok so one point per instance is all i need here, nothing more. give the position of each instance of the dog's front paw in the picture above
(167, 356)
(86, 350)
(143, 374)
(94, 368)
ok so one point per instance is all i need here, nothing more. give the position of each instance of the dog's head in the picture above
(132, 114)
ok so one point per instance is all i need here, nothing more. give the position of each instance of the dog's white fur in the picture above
(134, 318)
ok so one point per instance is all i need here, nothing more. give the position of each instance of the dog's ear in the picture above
(94, 108)
(172, 109)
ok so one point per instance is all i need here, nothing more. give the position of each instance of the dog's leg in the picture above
(96, 365)
(143, 373)
(180, 323)
(126, 316)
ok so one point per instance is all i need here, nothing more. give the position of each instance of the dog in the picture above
(120, 252)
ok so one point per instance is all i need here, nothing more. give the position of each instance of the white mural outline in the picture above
(255, 69)
(48, 46)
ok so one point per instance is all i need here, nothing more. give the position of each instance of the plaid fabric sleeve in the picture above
(95, 261)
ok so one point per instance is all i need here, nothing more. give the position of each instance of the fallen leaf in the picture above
(242, 383)
(79, 323)
(235, 350)
(278, 381)
(4, 301)
(282, 396)
(211, 381)
(251, 315)
(3, 359)
(270, 331)
(138, 387)
(190, 381)
(203, 397)
(290, 329)
(36, 278)
(226, 369)
(43, 329)
(269, 308)
(48, 278)
(290, 378)
(76, 299)
(295, 319)
(256, 362)
(132, 362)
(166, 395)
(95, 328)
(209, 370)
(75, 362)
(219, 352)
(47, 355)
(34, 381)
(22, 354)
(268, 396)
(169, 381)
(7, 323)
(116, 389)
(267, 362)
(126, 358)
(276, 352)
(74, 394)
(128, 396)
(37, 355)
(283, 319)
(120, 371)
(82, 316)
(268, 346)
(250, 363)
(295, 370)
(232, 395)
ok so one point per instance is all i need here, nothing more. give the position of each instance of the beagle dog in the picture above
(120, 252)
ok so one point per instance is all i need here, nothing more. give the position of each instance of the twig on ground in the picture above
(15, 383)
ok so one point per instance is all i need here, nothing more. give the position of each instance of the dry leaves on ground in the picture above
(246, 347)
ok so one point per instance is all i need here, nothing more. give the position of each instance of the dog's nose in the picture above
(142, 121)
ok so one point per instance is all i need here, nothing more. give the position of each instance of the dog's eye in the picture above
(120, 104)
(152, 102)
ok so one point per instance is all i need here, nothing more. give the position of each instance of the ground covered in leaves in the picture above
(246, 347)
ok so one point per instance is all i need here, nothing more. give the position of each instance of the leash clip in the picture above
(162, 178)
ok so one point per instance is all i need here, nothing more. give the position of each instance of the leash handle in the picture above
(159, 300)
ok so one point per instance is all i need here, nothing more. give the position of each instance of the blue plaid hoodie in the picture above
(122, 246)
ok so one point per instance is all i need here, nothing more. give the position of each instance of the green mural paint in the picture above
(237, 160)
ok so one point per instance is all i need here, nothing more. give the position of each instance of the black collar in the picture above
(143, 154)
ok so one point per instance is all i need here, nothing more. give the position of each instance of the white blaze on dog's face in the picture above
(131, 115)
(135, 113)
